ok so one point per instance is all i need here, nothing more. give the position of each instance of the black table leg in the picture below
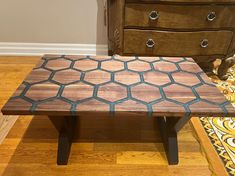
(169, 137)
(65, 127)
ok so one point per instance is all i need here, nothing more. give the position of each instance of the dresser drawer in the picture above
(163, 43)
(179, 16)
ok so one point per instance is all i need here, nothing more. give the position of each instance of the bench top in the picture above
(69, 85)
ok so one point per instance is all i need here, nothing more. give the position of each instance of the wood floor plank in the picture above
(6, 123)
(159, 158)
(186, 146)
(12, 71)
(102, 170)
(13, 144)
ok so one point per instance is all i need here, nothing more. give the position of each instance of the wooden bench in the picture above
(170, 89)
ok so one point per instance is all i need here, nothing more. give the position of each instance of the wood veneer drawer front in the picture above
(163, 43)
(179, 16)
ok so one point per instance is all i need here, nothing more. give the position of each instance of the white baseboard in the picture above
(38, 49)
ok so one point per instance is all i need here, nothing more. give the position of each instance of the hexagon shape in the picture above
(157, 78)
(210, 93)
(112, 65)
(51, 56)
(93, 105)
(38, 75)
(42, 91)
(149, 59)
(17, 103)
(207, 79)
(167, 107)
(54, 105)
(230, 109)
(19, 90)
(145, 92)
(130, 105)
(112, 92)
(173, 59)
(189, 59)
(101, 58)
(204, 108)
(86, 65)
(40, 63)
(139, 66)
(58, 64)
(127, 77)
(97, 77)
(186, 78)
(165, 66)
(190, 67)
(78, 91)
(67, 76)
(75, 57)
(179, 93)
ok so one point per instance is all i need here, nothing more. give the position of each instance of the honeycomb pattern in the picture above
(176, 86)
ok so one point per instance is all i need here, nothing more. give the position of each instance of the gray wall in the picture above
(53, 21)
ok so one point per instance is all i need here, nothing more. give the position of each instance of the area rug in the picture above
(221, 131)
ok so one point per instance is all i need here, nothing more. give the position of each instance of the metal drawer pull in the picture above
(154, 15)
(211, 16)
(204, 43)
(150, 43)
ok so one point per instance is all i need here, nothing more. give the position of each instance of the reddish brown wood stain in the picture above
(62, 85)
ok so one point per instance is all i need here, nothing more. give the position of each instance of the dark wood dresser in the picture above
(201, 29)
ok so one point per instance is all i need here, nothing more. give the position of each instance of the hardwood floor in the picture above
(12, 71)
(30, 147)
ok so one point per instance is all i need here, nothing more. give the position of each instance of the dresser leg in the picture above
(110, 53)
(65, 127)
(224, 66)
(169, 137)
(206, 64)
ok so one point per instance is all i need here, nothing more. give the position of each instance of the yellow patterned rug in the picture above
(221, 131)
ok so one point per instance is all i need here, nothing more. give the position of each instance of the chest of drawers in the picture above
(201, 29)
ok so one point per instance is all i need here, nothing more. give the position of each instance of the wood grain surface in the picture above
(167, 42)
(163, 86)
(32, 136)
(174, 16)
(30, 149)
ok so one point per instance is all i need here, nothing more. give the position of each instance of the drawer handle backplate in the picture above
(211, 16)
(154, 15)
(204, 43)
(150, 43)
